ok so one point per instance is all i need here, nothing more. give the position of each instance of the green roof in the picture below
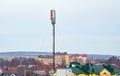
(77, 68)
(77, 71)
(90, 68)
(117, 71)
(95, 69)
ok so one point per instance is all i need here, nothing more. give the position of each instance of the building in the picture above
(47, 59)
(80, 58)
(92, 70)
(60, 59)
(12, 74)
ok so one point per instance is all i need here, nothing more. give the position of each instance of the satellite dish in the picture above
(12, 75)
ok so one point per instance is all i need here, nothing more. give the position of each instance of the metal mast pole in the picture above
(53, 24)
(53, 47)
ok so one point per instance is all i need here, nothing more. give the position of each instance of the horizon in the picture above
(51, 53)
(81, 26)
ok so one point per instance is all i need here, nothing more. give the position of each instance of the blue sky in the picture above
(82, 26)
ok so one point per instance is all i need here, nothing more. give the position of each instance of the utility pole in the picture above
(53, 18)
(25, 72)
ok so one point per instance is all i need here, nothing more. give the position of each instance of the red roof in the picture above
(78, 55)
(46, 68)
(10, 72)
(12, 68)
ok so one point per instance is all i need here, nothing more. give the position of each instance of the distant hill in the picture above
(10, 55)
(97, 56)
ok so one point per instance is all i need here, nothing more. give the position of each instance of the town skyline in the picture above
(90, 27)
